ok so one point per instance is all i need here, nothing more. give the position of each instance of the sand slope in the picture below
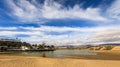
(116, 48)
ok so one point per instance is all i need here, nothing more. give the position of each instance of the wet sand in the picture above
(25, 61)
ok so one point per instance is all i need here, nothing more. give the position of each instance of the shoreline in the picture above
(101, 55)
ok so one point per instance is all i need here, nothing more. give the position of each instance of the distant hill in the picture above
(110, 44)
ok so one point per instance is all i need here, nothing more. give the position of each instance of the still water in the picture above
(56, 53)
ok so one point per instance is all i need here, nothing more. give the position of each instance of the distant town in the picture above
(18, 45)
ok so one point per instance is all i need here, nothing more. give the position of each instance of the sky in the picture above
(61, 22)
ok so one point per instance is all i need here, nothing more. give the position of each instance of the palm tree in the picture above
(52, 47)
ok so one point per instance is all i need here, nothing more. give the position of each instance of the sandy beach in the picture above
(83, 61)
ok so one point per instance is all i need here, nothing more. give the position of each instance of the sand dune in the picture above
(16, 61)
(116, 48)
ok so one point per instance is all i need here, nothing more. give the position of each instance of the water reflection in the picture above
(57, 53)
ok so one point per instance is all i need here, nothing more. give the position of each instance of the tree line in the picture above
(18, 45)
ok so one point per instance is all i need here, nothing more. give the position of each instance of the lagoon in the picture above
(53, 54)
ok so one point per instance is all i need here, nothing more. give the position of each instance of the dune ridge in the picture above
(116, 48)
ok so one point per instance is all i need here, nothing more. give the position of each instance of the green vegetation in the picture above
(11, 44)
(43, 46)
(108, 47)
(4, 45)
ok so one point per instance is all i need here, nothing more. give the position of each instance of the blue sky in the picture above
(61, 22)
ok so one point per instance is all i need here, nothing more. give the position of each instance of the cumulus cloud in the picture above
(27, 11)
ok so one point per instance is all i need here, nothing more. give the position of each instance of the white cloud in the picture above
(109, 36)
(14, 33)
(72, 29)
(114, 10)
(54, 12)
(8, 28)
(78, 35)
(31, 12)
(26, 11)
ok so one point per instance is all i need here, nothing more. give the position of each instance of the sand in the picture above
(116, 48)
(25, 61)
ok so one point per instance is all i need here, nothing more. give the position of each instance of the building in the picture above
(3, 48)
